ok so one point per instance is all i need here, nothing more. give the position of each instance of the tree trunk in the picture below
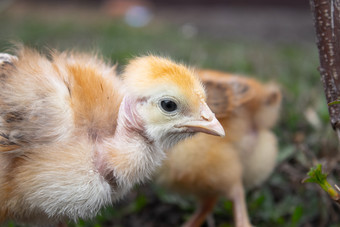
(327, 24)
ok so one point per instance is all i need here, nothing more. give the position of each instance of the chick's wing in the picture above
(225, 92)
(33, 102)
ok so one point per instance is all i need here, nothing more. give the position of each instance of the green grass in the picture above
(283, 200)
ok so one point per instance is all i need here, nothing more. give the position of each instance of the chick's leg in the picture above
(241, 217)
(204, 208)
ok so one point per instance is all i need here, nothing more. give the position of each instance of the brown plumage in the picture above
(74, 137)
(210, 167)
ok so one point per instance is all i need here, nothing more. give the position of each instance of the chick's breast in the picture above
(260, 162)
(202, 165)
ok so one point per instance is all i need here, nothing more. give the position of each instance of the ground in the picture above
(269, 44)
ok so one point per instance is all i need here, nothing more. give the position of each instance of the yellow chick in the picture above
(210, 167)
(74, 137)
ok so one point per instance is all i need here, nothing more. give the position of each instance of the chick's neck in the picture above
(131, 155)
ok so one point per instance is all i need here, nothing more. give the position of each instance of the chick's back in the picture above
(45, 101)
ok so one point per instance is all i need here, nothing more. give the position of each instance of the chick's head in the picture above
(169, 101)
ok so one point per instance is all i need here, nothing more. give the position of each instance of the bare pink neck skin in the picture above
(131, 155)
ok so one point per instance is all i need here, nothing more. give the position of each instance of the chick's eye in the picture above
(168, 105)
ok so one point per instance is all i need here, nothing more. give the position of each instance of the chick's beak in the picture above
(207, 123)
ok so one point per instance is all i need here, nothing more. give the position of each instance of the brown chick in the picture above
(74, 137)
(210, 167)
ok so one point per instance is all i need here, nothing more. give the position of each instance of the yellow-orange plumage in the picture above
(150, 72)
(94, 102)
(209, 167)
(74, 137)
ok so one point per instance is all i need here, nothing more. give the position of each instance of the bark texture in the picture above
(327, 24)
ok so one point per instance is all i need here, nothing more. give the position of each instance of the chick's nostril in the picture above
(206, 113)
(207, 116)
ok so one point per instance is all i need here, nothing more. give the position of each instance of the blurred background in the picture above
(269, 40)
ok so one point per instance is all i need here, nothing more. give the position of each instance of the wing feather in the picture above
(6, 144)
(33, 102)
(225, 92)
(45, 101)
